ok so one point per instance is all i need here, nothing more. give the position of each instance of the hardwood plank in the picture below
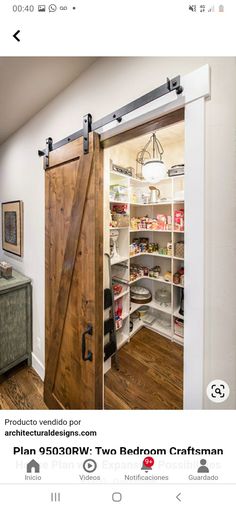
(114, 402)
(36, 380)
(21, 389)
(165, 360)
(35, 400)
(99, 257)
(66, 153)
(150, 375)
(4, 405)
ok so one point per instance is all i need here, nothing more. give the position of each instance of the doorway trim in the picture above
(196, 90)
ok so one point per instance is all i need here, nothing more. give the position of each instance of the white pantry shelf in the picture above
(123, 317)
(118, 261)
(178, 285)
(176, 314)
(138, 324)
(119, 202)
(123, 176)
(169, 187)
(120, 228)
(163, 203)
(154, 254)
(155, 305)
(150, 230)
(152, 305)
(159, 279)
(124, 293)
(157, 327)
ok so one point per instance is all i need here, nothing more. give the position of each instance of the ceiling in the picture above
(173, 134)
(171, 138)
(28, 84)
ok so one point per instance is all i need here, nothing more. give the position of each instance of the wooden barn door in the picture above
(74, 277)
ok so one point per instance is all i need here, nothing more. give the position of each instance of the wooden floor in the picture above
(150, 375)
(21, 389)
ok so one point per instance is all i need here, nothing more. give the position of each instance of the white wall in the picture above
(106, 85)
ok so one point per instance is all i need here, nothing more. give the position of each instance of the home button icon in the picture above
(33, 466)
(116, 496)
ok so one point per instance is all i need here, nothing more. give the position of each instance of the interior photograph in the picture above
(117, 240)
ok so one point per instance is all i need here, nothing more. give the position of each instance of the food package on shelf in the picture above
(179, 220)
(179, 327)
(118, 313)
(120, 209)
(117, 289)
(120, 220)
(119, 216)
(162, 222)
(168, 276)
(155, 272)
(138, 270)
(178, 277)
(118, 193)
(119, 323)
(142, 245)
(169, 249)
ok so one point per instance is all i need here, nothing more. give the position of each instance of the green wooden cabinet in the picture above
(15, 321)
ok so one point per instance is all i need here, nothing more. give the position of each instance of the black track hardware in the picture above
(89, 126)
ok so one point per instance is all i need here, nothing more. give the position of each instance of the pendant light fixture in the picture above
(153, 168)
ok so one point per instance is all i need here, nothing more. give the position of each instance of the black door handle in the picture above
(89, 356)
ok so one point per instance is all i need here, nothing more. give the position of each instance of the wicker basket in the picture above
(179, 249)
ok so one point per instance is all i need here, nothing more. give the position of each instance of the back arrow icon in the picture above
(15, 36)
(178, 497)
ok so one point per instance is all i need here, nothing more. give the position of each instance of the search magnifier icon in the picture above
(218, 391)
(52, 8)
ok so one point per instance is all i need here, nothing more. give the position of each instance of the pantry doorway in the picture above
(145, 236)
(196, 91)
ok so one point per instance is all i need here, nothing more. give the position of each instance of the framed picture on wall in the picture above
(12, 227)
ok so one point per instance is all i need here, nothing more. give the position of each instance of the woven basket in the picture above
(179, 249)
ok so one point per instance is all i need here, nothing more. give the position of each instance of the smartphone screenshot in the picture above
(117, 254)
